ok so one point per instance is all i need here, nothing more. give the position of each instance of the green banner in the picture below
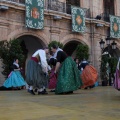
(114, 26)
(78, 19)
(35, 14)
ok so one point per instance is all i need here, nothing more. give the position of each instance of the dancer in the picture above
(15, 79)
(83, 64)
(88, 75)
(116, 83)
(37, 70)
(68, 79)
(77, 62)
(52, 76)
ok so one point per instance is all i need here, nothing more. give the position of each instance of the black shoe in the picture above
(70, 92)
(35, 90)
(44, 90)
(42, 93)
(52, 91)
(31, 91)
(66, 93)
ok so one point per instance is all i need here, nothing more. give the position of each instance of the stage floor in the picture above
(100, 103)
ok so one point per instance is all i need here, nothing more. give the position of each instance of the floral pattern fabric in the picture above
(78, 19)
(114, 26)
(35, 14)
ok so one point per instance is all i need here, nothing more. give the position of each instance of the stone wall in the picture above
(12, 25)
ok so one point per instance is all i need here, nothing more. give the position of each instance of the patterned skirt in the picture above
(14, 80)
(35, 76)
(89, 76)
(52, 80)
(68, 77)
(116, 83)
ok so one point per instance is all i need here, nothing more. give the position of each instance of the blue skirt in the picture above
(14, 80)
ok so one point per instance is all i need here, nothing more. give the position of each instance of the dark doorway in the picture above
(29, 45)
(109, 7)
(70, 47)
(73, 2)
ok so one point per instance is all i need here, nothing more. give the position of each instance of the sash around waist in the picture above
(34, 59)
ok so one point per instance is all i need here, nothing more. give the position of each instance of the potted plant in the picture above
(107, 69)
(55, 42)
(82, 51)
(9, 50)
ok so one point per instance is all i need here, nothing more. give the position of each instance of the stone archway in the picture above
(31, 44)
(24, 32)
(109, 60)
(70, 47)
(71, 41)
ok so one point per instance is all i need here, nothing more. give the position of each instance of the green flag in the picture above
(35, 14)
(78, 19)
(114, 26)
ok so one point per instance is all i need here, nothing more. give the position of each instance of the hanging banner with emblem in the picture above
(35, 14)
(114, 26)
(78, 19)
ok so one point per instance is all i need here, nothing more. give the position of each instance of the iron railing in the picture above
(54, 5)
(61, 7)
(17, 1)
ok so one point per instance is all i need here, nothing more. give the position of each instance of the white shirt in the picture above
(43, 59)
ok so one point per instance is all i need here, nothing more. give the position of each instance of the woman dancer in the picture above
(53, 77)
(68, 79)
(15, 79)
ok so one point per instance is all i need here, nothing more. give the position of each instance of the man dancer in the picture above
(37, 70)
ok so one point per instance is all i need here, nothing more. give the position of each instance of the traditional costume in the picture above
(36, 74)
(68, 75)
(83, 65)
(116, 82)
(89, 76)
(52, 76)
(15, 79)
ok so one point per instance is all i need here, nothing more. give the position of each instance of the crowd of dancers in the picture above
(55, 71)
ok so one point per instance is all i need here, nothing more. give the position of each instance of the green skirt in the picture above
(68, 77)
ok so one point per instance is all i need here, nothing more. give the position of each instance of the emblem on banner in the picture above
(115, 27)
(35, 13)
(79, 20)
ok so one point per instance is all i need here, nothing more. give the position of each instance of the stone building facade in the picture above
(12, 25)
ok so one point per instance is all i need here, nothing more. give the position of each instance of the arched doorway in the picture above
(29, 45)
(32, 43)
(70, 48)
(108, 65)
(113, 52)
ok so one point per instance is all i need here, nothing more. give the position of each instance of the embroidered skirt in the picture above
(68, 77)
(52, 80)
(89, 76)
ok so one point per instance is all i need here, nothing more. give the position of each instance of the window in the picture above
(73, 2)
(109, 7)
